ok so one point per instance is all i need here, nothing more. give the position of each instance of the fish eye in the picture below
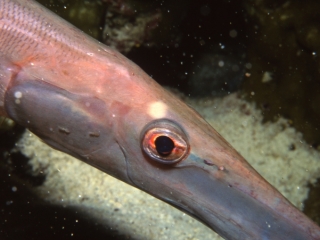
(164, 141)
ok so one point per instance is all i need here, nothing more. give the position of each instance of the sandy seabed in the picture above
(276, 150)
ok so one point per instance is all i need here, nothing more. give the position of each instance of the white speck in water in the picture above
(233, 33)
(205, 10)
(202, 42)
(267, 77)
(79, 196)
(221, 63)
(235, 68)
(14, 189)
(248, 65)
(314, 53)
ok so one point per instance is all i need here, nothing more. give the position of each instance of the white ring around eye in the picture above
(167, 128)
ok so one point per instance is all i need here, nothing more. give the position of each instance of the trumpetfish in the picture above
(87, 100)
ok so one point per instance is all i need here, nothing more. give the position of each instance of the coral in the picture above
(125, 28)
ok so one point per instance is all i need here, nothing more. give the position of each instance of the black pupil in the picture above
(164, 145)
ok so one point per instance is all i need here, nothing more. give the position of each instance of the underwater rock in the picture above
(86, 15)
(134, 23)
(126, 27)
(285, 42)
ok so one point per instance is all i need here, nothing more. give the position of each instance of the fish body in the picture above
(86, 99)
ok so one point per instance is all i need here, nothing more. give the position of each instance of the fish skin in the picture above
(86, 99)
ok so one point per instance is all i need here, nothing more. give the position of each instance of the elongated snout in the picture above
(181, 161)
(205, 177)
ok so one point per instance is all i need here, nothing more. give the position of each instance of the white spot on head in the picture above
(18, 94)
(157, 109)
